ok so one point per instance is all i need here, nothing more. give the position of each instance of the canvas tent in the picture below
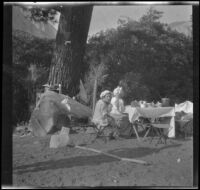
(53, 111)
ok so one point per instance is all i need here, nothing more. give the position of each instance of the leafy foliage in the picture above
(41, 14)
(31, 62)
(152, 60)
(149, 59)
(96, 72)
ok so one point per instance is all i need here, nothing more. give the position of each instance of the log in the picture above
(76, 109)
(53, 111)
(114, 156)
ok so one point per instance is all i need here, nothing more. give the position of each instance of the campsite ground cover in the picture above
(37, 165)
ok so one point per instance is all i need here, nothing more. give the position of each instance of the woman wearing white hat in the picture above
(117, 102)
(102, 109)
(121, 119)
(101, 116)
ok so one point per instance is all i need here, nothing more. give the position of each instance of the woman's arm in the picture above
(121, 106)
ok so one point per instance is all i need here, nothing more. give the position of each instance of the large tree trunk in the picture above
(67, 63)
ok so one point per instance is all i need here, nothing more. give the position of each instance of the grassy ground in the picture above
(37, 165)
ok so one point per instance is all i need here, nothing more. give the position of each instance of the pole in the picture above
(114, 156)
(94, 95)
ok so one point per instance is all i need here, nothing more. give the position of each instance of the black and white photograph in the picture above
(100, 94)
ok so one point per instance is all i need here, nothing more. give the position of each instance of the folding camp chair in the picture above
(158, 130)
(98, 132)
(136, 124)
(142, 123)
(185, 127)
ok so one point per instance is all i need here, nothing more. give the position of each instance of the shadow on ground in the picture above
(89, 160)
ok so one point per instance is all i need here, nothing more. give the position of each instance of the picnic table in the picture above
(166, 113)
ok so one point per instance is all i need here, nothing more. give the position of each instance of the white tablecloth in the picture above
(135, 112)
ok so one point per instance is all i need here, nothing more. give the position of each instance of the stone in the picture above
(60, 140)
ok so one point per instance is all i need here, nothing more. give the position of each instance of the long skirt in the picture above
(123, 125)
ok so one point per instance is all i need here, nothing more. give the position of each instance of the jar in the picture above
(165, 102)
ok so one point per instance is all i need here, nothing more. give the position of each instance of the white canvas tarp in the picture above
(186, 107)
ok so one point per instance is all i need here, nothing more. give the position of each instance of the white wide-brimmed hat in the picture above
(117, 91)
(46, 85)
(105, 92)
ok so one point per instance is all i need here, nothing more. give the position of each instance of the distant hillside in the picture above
(182, 27)
(41, 30)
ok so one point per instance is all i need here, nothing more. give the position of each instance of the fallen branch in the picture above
(114, 156)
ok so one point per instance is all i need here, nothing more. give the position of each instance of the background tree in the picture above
(31, 63)
(152, 60)
(94, 79)
(67, 63)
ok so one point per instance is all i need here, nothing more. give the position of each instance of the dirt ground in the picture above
(37, 165)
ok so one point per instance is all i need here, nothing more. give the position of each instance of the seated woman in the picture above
(101, 116)
(117, 102)
(121, 119)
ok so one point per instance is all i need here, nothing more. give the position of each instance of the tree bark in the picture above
(67, 64)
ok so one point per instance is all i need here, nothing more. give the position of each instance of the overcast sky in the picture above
(104, 17)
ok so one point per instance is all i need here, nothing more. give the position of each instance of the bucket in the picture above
(165, 102)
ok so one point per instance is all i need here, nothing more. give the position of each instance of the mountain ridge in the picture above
(182, 27)
(42, 30)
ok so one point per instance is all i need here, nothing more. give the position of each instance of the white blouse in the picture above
(117, 106)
